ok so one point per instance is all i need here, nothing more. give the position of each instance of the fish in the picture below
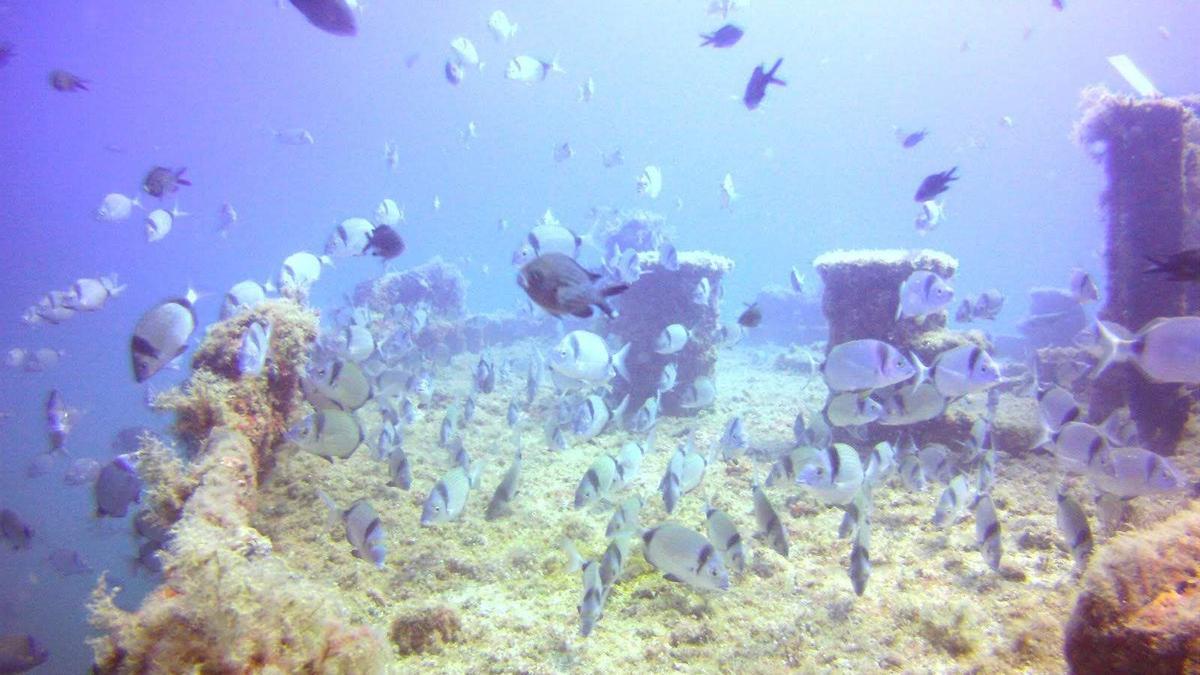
(591, 606)
(389, 213)
(561, 286)
(339, 383)
(466, 53)
(756, 88)
(563, 152)
(255, 348)
(242, 296)
(327, 433)
(299, 272)
(15, 530)
(700, 393)
(685, 556)
(849, 409)
(1056, 407)
(860, 558)
(294, 136)
(702, 293)
(529, 70)
(616, 556)
(117, 486)
(161, 334)
(454, 74)
(921, 294)
(937, 462)
(667, 378)
(449, 429)
(506, 491)
(485, 375)
(625, 518)
(987, 531)
(67, 562)
(724, 37)
(684, 473)
(835, 477)
(58, 421)
(912, 139)
(962, 370)
(1119, 428)
(860, 365)
(548, 237)
(796, 280)
(724, 535)
(649, 183)
(226, 218)
(769, 524)
(1180, 266)
(912, 472)
(734, 440)
(646, 416)
(161, 181)
(448, 498)
(1083, 287)
(791, 462)
(911, 403)
(881, 464)
(1133, 472)
(625, 266)
(90, 295)
(751, 317)
(335, 17)
(930, 216)
(364, 530)
(934, 185)
(612, 158)
(360, 343)
(349, 238)
(587, 90)
(20, 652)
(159, 223)
(469, 406)
(988, 305)
(116, 207)
(1073, 526)
(598, 481)
(82, 471)
(811, 430)
(672, 339)
(500, 26)
(583, 356)
(953, 502)
(668, 257)
(1166, 349)
(593, 415)
(64, 81)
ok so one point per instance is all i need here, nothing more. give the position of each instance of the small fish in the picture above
(514, 415)
(672, 339)
(725, 36)
(594, 415)
(937, 462)
(685, 472)
(612, 158)
(860, 558)
(598, 481)
(327, 433)
(988, 305)
(912, 403)
(921, 294)
(529, 70)
(15, 530)
(646, 416)
(1119, 428)
(1083, 287)
(912, 139)
(465, 50)
(63, 81)
(835, 476)
(561, 286)
(702, 293)
(58, 421)
(295, 136)
(159, 223)
(931, 215)
(563, 152)
(587, 90)
(67, 562)
(859, 365)
(987, 531)
(796, 279)
(667, 378)
(769, 524)
(161, 181)
(685, 556)
(335, 17)
(963, 370)
(934, 185)
(668, 257)
(953, 503)
(849, 409)
(734, 440)
(448, 498)
(339, 384)
(227, 217)
(485, 375)
(751, 317)
(791, 463)
(649, 183)
(116, 207)
(506, 491)
(160, 336)
(756, 88)
(811, 430)
(724, 535)
(881, 464)
(912, 472)
(625, 518)
(255, 347)
(1181, 266)
(448, 432)
(583, 356)
(1073, 525)
(117, 486)
(591, 606)
(700, 393)
(454, 72)
(242, 296)
(364, 530)
(1056, 407)
(500, 26)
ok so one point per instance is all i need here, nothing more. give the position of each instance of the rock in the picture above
(426, 630)
(437, 283)
(1139, 611)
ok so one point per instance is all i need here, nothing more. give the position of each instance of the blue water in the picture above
(817, 167)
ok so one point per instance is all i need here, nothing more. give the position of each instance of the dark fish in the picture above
(454, 73)
(117, 487)
(58, 423)
(15, 530)
(756, 88)
(725, 36)
(20, 652)
(161, 181)
(934, 185)
(61, 80)
(331, 16)
(561, 286)
(67, 562)
(385, 243)
(914, 138)
(1181, 266)
(751, 317)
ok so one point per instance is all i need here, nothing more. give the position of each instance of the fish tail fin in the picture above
(334, 514)
(326, 261)
(618, 361)
(1044, 437)
(708, 39)
(574, 560)
(553, 66)
(1112, 349)
(771, 75)
(922, 369)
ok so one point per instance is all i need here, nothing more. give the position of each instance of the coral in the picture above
(426, 630)
(1139, 611)
(168, 482)
(862, 290)
(1149, 148)
(656, 300)
(436, 283)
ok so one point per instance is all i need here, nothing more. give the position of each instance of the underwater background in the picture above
(817, 168)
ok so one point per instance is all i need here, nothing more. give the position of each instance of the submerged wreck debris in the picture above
(659, 298)
(437, 284)
(226, 603)
(1139, 611)
(1150, 149)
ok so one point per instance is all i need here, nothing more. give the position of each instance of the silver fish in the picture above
(769, 524)
(613, 562)
(734, 441)
(792, 462)
(506, 491)
(923, 293)
(337, 384)
(591, 606)
(860, 558)
(1166, 349)
(881, 464)
(1073, 525)
(161, 335)
(630, 457)
(364, 530)
(242, 296)
(702, 293)
(835, 477)
(448, 498)
(987, 531)
(327, 433)
(626, 517)
(953, 503)
(724, 535)
(962, 370)
(255, 347)
(912, 473)
(672, 339)
(598, 481)
(1133, 472)
(485, 375)
(849, 409)
(860, 365)
(701, 393)
(1077, 445)
(667, 378)
(685, 556)
(646, 416)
